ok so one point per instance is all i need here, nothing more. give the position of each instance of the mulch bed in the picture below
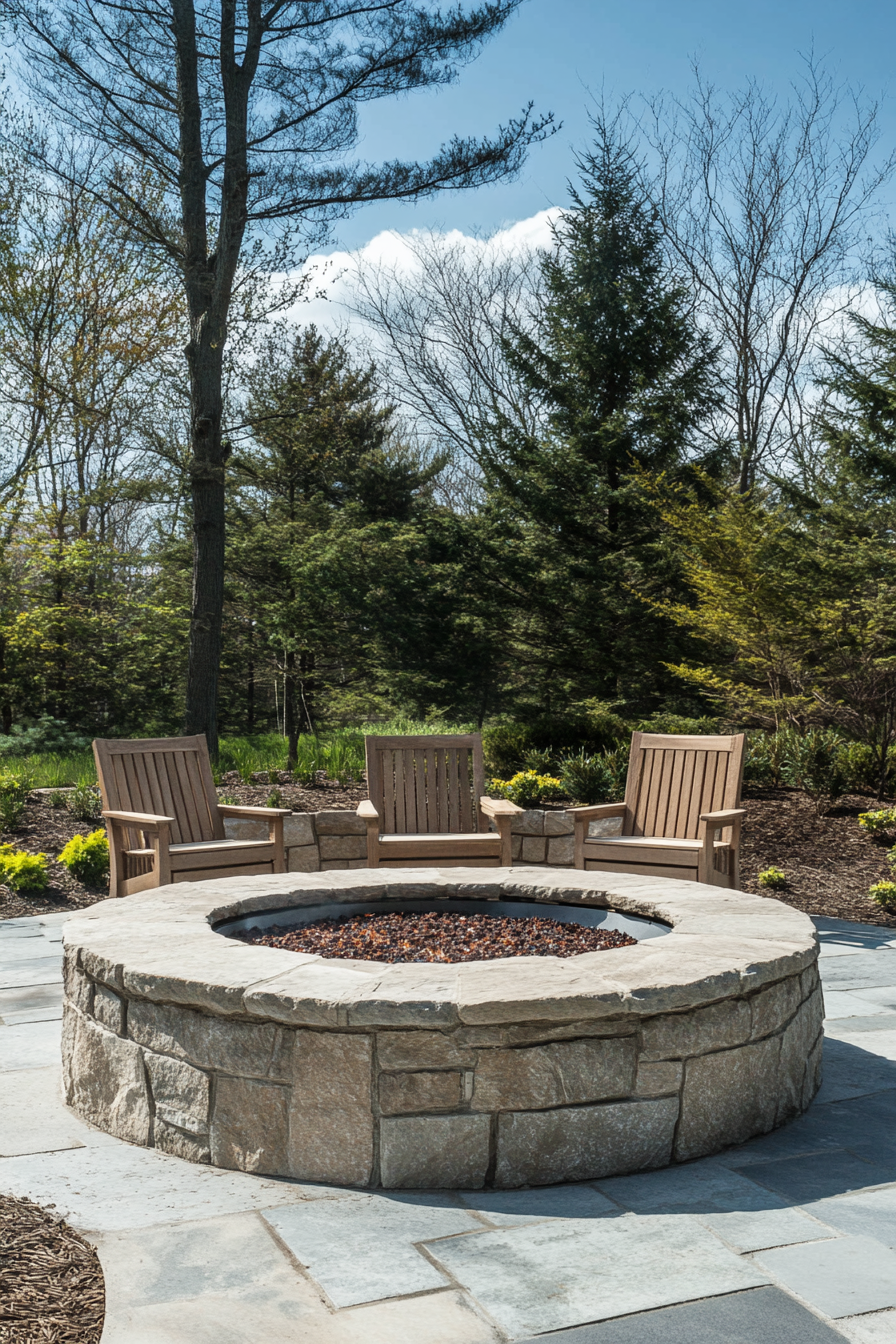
(441, 936)
(51, 1283)
(829, 861)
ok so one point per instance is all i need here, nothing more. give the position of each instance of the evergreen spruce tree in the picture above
(624, 378)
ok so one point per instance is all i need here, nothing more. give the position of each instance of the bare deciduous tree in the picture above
(765, 207)
(245, 110)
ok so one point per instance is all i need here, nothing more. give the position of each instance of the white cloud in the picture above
(329, 274)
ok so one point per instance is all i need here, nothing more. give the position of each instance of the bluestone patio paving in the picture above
(788, 1239)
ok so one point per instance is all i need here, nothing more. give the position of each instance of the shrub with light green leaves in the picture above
(884, 819)
(773, 878)
(22, 871)
(884, 894)
(87, 858)
(526, 788)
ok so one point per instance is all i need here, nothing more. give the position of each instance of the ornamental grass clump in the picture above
(526, 788)
(22, 871)
(87, 858)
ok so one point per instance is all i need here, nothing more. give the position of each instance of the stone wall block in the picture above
(422, 1050)
(77, 985)
(798, 1067)
(343, 847)
(476, 1038)
(104, 1078)
(558, 823)
(516, 846)
(680, 1035)
(180, 1093)
(439, 1152)
(604, 826)
(249, 1126)
(529, 822)
(587, 1142)
(728, 1097)
(303, 859)
(660, 1079)
(339, 823)
(245, 828)
(534, 849)
(170, 1139)
(298, 829)
(774, 1006)
(809, 980)
(407, 1093)
(331, 1114)
(108, 1009)
(260, 1050)
(563, 1073)
(561, 851)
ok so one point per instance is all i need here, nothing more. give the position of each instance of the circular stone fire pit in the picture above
(525, 1070)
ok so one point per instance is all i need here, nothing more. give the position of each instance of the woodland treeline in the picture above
(648, 471)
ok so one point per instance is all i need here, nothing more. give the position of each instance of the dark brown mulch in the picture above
(830, 862)
(323, 796)
(51, 1283)
(447, 937)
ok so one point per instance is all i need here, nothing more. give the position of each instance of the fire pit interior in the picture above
(524, 1069)
(447, 931)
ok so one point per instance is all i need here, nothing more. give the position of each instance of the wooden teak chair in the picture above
(164, 820)
(427, 804)
(680, 817)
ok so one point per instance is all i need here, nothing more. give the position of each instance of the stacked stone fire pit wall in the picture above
(522, 1071)
(321, 841)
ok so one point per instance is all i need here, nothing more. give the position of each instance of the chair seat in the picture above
(451, 843)
(663, 842)
(213, 853)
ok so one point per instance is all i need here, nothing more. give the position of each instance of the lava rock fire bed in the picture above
(434, 936)
(702, 1030)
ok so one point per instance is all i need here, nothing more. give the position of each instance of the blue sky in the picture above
(555, 51)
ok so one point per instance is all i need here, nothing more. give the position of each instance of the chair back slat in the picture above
(672, 780)
(426, 785)
(169, 777)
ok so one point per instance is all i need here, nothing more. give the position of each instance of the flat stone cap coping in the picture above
(161, 945)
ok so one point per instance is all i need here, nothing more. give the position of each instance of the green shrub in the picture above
(762, 760)
(586, 778)
(87, 858)
(22, 871)
(505, 747)
(678, 724)
(527, 789)
(14, 790)
(83, 802)
(46, 734)
(884, 819)
(274, 799)
(616, 763)
(543, 762)
(773, 878)
(883, 893)
(811, 761)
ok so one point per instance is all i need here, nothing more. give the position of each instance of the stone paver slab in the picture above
(506, 1208)
(758, 1316)
(843, 1027)
(854, 1070)
(870, 1213)
(878, 1327)
(868, 970)
(361, 1249)
(839, 1278)
(36, 971)
(803, 1180)
(115, 1186)
(29, 1045)
(16, 951)
(555, 1275)
(744, 1214)
(849, 1003)
(33, 1118)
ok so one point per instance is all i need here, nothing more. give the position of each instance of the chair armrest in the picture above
(235, 810)
(726, 817)
(499, 807)
(144, 821)
(597, 810)
(367, 811)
